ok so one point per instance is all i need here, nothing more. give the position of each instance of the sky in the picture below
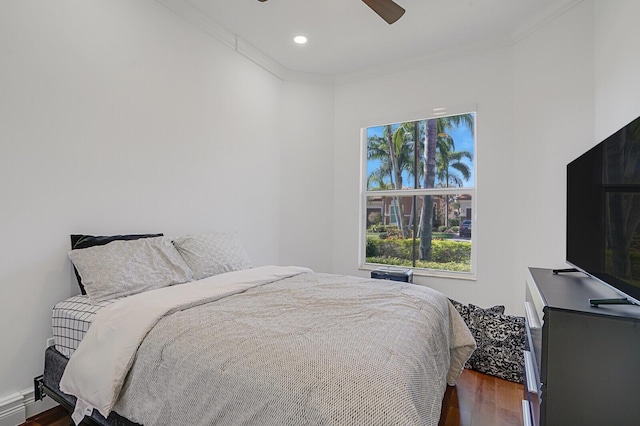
(462, 137)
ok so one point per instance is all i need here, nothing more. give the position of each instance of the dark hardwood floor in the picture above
(482, 400)
(57, 416)
(477, 400)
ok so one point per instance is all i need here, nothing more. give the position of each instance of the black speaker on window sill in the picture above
(393, 274)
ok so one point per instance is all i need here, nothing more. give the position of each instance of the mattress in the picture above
(71, 320)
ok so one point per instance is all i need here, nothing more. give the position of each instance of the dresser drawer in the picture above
(534, 320)
(526, 413)
(534, 299)
(532, 388)
(532, 376)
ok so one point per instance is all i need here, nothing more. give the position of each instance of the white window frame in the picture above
(471, 190)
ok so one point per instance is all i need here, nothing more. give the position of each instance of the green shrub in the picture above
(372, 247)
(442, 236)
(377, 227)
(450, 251)
(442, 266)
(445, 254)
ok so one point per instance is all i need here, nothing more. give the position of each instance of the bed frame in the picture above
(48, 384)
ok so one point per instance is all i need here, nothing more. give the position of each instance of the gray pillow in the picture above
(80, 241)
(123, 268)
(212, 254)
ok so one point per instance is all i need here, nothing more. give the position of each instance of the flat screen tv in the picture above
(603, 211)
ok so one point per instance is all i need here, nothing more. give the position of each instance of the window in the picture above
(418, 194)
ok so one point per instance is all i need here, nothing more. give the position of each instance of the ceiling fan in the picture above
(386, 9)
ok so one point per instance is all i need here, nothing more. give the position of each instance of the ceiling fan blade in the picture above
(387, 9)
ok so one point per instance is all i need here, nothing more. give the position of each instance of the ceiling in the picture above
(345, 36)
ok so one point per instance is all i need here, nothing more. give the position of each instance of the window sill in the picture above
(419, 272)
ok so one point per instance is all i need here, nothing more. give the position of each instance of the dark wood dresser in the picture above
(582, 364)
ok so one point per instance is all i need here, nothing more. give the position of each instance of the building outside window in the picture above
(418, 195)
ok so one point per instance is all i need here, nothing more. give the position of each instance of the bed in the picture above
(262, 345)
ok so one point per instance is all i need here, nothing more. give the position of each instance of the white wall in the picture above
(306, 165)
(575, 84)
(554, 122)
(119, 117)
(485, 79)
(617, 64)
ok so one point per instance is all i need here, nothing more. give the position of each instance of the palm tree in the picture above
(378, 148)
(394, 149)
(426, 214)
(435, 133)
(379, 178)
(452, 171)
(405, 136)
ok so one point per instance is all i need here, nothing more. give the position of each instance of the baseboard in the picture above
(16, 408)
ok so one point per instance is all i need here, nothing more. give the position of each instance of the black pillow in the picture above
(80, 241)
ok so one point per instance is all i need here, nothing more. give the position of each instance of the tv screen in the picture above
(603, 211)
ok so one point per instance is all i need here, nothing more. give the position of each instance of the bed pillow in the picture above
(122, 268)
(495, 310)
(212, 254)
(80, 241)
(462, 309)
(465, 310)
(476, 325)
(500, 344)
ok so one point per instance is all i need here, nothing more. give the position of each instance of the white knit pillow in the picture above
(212, 254)
(123, 268)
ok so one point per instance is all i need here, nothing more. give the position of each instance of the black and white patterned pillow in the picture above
(500, 340)
(495, 310)
(463, 310)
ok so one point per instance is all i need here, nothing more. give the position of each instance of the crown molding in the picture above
(538, 21)
(186, 10)
(193, 15)
(431, 58)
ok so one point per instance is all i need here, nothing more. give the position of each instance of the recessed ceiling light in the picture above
(300, 39)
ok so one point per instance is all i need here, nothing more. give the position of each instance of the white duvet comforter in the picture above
(306, 348)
